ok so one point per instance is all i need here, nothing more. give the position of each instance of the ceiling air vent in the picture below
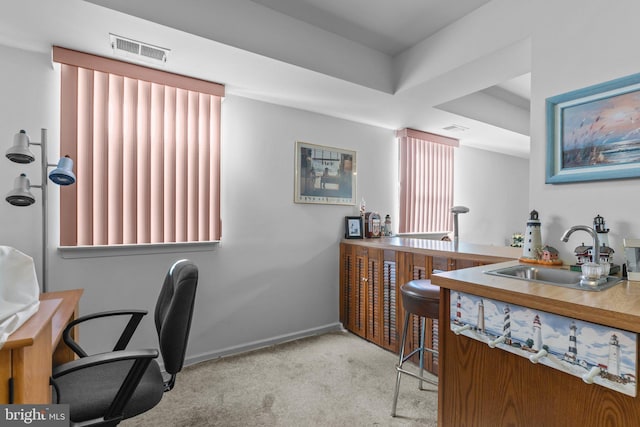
(456, 128)
(138, 50)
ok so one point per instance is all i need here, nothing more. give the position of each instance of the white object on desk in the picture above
(19, 290)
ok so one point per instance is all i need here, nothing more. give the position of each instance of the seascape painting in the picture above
(594, 133)
(602, 132)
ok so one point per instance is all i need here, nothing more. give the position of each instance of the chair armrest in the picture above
(101, 359)
(125, 337)
(141, 358)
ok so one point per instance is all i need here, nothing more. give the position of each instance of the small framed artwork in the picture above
(632, 253)
(594, 133)
(324, 175)
(353, 227)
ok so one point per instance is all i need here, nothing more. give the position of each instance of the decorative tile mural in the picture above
(597, 354)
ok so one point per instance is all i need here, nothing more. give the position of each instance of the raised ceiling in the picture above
(390, 27)
(424, 64)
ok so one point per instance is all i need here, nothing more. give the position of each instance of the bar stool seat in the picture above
(421, 298)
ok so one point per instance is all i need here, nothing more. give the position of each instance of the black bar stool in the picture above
(421, 298)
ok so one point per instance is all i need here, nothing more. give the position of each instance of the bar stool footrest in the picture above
(416, 376)
(430, 350)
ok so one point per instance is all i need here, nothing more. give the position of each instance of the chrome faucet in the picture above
(596, 244)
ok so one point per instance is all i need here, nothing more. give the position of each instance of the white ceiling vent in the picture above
(138, 50)
(456, 128)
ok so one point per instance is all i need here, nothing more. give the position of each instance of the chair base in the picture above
(399, 367)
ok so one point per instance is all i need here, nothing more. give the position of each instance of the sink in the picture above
(552, 276)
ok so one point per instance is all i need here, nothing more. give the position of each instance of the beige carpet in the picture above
(335, 379)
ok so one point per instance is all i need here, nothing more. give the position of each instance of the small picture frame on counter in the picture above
(632, 253)
(353, 227)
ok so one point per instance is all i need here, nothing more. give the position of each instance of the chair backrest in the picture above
(174, 310)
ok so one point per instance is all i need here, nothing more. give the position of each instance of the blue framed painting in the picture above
(594, 133)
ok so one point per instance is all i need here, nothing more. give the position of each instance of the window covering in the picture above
(146, 145)
(426, 181)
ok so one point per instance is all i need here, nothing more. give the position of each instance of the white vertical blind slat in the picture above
(192, 166)
(114, 156)
(203, 159)
(182, 108)
(214, 163)
(157, 163)
(84, 163)
(169, 179)
(100, 159)
(148, 162)
(129, 161)
(143, 153)
(426, 185)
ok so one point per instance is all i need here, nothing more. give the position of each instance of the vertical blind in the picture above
(426, 181)
(146, 145)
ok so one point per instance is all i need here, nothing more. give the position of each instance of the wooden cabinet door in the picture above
(370, 300)
(390, 302)
(352, 288)
(464, 263)
(368, 294)
(442, 264)
(373, 295)
(381, 298)
(416, 267)
(346, 280)
(448, 264)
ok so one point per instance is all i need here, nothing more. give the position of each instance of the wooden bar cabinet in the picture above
(372, 271)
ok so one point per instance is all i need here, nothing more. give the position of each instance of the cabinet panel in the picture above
(448, 264)
(483, 386)
(352, 312)
(464, 263)
(415, 267)
(368, 288)
(441, 264)
(598, 354)
(390, 333)
(370, 302)
(347, 272)
(358, 295)
(372, 298)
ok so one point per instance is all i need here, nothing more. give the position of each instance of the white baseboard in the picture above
(230, 351)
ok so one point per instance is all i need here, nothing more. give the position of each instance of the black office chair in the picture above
(106, 388)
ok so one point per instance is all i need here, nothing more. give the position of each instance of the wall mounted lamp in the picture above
(21, 194)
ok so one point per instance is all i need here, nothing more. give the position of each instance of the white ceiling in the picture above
(424, 64)
(387, 26)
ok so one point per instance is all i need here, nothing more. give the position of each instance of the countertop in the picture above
(618, 306)
(462, 250)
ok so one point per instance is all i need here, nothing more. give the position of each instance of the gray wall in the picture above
(495, 189)
(274, 276)
(573, 50)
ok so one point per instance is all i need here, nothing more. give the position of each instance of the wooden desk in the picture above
(26, 359)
